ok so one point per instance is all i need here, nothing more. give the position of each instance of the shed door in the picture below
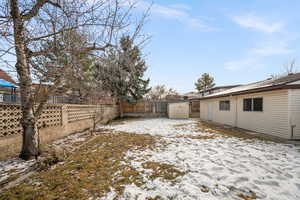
(209, 111)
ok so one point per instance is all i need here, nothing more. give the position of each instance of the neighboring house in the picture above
(174, 97)
(271, 106)
(191, 95)
(217, 89)
(8, 88)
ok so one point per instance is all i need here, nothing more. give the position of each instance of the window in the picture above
(253, 104)
(247, 104)
(258, 104)
(224, 105)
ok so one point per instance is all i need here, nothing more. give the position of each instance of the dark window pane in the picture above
(224, 105)
(247, 104)
(258, 104)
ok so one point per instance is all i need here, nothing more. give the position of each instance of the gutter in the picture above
(254, 90)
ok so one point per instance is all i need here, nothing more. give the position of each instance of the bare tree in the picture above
(26, 28)
(160, 92)
(288, 68)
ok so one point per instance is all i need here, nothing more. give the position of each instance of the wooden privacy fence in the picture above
(52, 116)
(145, 108)
(195, 109)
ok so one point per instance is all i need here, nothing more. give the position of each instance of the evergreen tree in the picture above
(120, 71)
(205, 82)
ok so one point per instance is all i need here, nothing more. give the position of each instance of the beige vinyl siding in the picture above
(203, 109)
(294, 110)
(219, 116)
(274, 118)
(179, 110)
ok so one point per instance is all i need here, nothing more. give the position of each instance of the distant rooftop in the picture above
(221, 87)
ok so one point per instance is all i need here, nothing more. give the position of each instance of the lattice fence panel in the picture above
(10, 116)
(51, 116)
(82, 112)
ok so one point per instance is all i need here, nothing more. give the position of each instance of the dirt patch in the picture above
(92, 171)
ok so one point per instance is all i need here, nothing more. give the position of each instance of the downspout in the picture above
(292, 131)
(290, 115)
(236, 110)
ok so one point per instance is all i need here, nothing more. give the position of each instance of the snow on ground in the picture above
(13, 167)
(217, 168)
(17, 166)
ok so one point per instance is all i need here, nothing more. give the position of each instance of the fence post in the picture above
(154, 107)
(64, 115)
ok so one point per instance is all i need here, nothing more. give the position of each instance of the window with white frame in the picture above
(224, 105)
(253, 104)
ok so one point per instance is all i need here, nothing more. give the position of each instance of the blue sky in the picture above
(236, 41)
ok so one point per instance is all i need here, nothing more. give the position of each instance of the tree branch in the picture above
(79, 51)
(35, 9)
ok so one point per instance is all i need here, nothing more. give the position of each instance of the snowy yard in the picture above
(154, 159)
(216, 167)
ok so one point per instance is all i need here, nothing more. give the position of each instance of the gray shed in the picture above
(178, 110)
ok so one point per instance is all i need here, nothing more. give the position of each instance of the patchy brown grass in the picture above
(125, 120)
(226, 131)
(8, 180)
(161, 170)
(91, 171)
(7, 155)
(198, 137)
(247, 197)
(181, 125)
(154, 198)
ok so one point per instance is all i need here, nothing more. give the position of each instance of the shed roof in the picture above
(6, 84)
(261, 86)
(6, 77)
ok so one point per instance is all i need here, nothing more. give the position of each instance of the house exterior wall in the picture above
(178, 110)
(223, 117)
(273, 120)
(294, 112)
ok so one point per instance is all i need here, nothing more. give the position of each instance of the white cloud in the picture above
(271, 49)
(276, 44)
(255, 56)
(258, 23)
(178, 12)
(181, 6)
(237, 65)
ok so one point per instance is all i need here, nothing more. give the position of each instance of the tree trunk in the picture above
(29, 145)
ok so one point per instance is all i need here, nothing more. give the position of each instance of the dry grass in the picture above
(247, 197)
(125, 120)
(198, 137)
(91, 171)
(161, 170)
(7, 155)
(226, 131)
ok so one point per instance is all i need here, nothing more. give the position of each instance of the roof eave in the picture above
(255, 90)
